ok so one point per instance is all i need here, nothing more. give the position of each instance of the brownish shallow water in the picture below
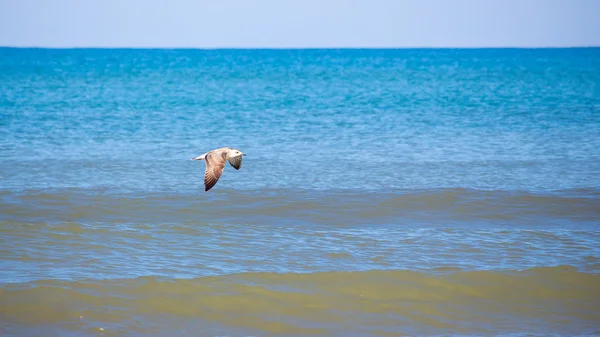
(559, 300)
(297, 263)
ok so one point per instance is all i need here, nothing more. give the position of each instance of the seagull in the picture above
(215, 162)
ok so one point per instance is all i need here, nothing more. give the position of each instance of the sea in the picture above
(385, 192)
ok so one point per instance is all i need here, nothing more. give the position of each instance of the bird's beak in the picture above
(243, 154)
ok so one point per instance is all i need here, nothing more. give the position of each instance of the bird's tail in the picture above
(199, 157)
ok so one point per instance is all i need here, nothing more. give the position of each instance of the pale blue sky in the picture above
(300, 23)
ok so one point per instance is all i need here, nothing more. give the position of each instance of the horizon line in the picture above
(296, 48)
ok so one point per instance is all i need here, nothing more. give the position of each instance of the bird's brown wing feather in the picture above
(215, 163)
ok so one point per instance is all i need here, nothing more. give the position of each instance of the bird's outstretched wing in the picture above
(236, 162)
(215, 162)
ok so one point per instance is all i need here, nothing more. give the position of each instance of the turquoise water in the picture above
(384, 192)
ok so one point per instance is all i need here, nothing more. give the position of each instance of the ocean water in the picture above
(418, 192)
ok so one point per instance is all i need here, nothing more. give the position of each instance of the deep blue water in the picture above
(498, 119)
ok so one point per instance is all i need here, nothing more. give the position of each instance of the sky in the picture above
(299, 23)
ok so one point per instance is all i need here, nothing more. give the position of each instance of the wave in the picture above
(557, 300)
(344, 207)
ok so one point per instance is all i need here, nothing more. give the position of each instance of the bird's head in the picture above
(235, 153)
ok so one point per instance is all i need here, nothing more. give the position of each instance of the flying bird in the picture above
(215, 162)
